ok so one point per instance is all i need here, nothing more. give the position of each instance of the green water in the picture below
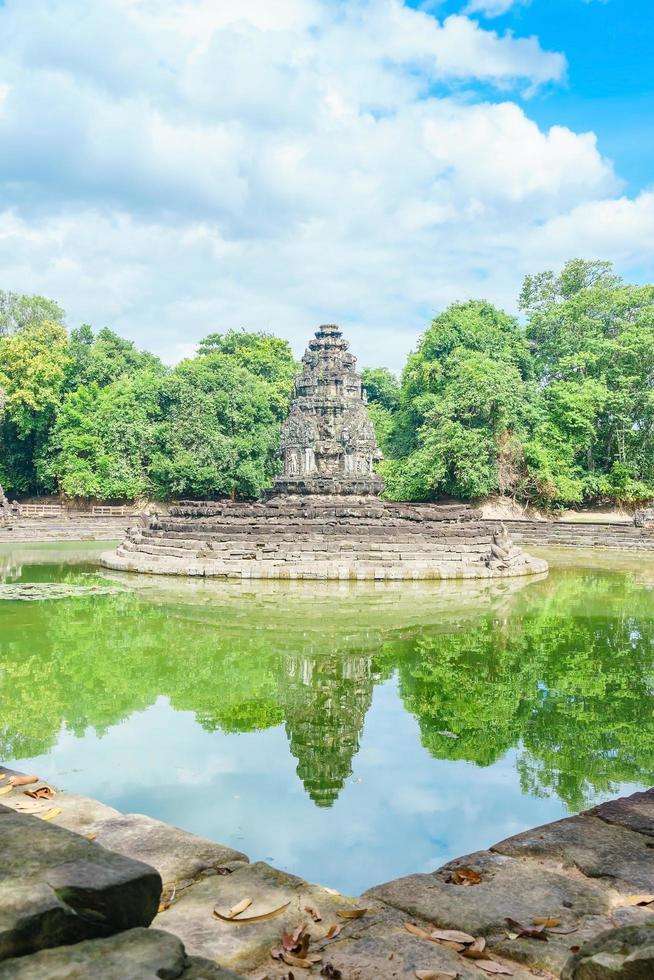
(347, 733)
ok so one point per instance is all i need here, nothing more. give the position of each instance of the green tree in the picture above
(103, 439)
(593, 342)
(18, 312)
(467, 404)
(33, 366)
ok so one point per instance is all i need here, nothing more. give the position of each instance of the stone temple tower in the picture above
(328, 442)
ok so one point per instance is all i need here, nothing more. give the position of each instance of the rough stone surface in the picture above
(137, 954)
(247, 947)
(635, 812)
(625, 953)
(328, 443)
(322, 538)
(596, 848)
(178, 856)
(57, 887)
(509, 887)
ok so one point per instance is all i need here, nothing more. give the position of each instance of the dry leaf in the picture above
(23, 780)
(296, 942)
(2, 775)
(626, 899)
(575, 949)
(464, 876)
(417, 931)
(333, 931)
(42, 793)
(491, 966)
(51, 814)
(545, 922)
(451, 936)
(6, 789)
(537, 932)
(165, 903)
(436, 975)
(91, 836)
(239, 907)
(305, 962)
(263, 917)
(512, 935)
(477, 950)
(351, 913)
(314, 913)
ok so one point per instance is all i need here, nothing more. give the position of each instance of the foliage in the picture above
(467, 402)
(559, 412)
(18, 312)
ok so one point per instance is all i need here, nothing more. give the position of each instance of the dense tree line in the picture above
(557, 411)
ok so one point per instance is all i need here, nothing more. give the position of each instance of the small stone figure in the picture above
(645, 517)
(503, 553)
(6, 509)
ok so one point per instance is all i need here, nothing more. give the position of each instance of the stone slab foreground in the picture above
(57, 887)
(138, 954)
(586, 873)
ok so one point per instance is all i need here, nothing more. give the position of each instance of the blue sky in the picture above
(609, 88)
(175, 167)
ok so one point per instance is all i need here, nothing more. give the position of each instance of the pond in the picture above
(347, 733)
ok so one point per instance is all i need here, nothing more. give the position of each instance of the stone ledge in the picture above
(137, 954)
(57, 887)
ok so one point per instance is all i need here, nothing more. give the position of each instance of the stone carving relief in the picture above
(328, 443)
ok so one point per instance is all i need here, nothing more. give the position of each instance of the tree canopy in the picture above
(556, 409)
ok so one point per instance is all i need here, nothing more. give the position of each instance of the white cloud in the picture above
(180, 166)
(492, 8)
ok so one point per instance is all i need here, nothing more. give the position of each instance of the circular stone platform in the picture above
(308, 538)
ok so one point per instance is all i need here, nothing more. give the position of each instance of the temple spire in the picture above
(328, 443)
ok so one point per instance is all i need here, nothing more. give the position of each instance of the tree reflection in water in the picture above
(562, 669)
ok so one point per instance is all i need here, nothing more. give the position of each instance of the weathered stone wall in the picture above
(77, 528)
(567, 534)
(316, 540)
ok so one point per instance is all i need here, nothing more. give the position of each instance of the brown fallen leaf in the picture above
(351, 913)
(477, 950)
(491, 966)
(457, 947)
(305, 962)
(546, 922)
(296, 942)
(333, 931)
(314, 913)
(239, 907)
(436, 975)
(23, 780)
(625, 899)
(451, 936)
(51, 814)
(464, 876)
(575, 949)
(526, 932)
(244, 920)
(417, 931)
(91, 836)
(42, 793)
(166, 902)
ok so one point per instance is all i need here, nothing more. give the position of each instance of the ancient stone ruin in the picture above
(328, 444)
(323, 518)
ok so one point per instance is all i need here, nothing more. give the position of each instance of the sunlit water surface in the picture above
(349, 734)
